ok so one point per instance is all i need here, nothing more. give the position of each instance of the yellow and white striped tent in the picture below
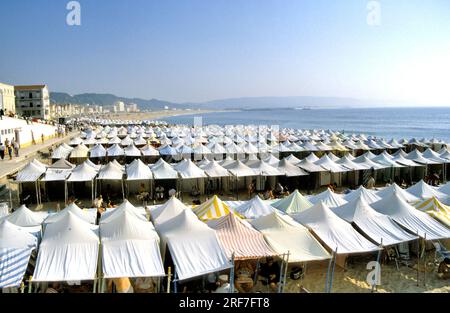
(436, 209)
(211, 209)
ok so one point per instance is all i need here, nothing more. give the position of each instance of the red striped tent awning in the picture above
(236, 235)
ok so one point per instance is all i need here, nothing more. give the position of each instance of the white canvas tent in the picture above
(367, 195)
(130, 247)
(289, 169)
(137, 170)
(194, 246)
(254, 208)
(329, 198)
(336, 233)
(24, 217)
(68, 251)
(285, 235)
(378, 227)
(394, 188)
(424, 191)
(163, 170)
(414, 220)
(294, 203)
(16, 245)
(214, 169)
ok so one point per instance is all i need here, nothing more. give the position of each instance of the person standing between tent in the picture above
(1, 114)
(371, 183)
(98, 202)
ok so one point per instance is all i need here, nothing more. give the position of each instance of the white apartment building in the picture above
(33, 101)
(7, 99)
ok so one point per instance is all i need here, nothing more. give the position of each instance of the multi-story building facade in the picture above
(33, 101)
(7, 99)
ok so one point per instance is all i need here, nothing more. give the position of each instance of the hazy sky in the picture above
(198, 50)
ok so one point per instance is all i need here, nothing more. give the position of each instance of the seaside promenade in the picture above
(8, 166)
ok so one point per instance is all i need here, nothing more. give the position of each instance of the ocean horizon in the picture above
(391, 122)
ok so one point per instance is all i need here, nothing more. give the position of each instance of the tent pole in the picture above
(175, 279)
(378, 262)
(332, 272)
(37, 196)
(10, 195)
(232, 273)
(285, 271)
(418, 257)
(425, 260)
(169, 276)
(328, 272)
(281, 273)
(123, 191)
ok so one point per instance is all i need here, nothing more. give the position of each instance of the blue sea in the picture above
(383, 122)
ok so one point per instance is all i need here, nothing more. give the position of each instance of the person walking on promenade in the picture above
(16, 148)
(2, 151)
(9, 147)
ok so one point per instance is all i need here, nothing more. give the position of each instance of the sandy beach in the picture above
(152, 115)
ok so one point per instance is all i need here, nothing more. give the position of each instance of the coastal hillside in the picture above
(109, 99)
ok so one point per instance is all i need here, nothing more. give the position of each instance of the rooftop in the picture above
(30, 87)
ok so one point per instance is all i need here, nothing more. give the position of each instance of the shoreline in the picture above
(155, 115)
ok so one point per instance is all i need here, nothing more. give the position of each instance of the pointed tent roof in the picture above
(110, 172)
(424, 191)
(289, 169)
(82, 172)
(417, 156)
(334, 231)
(213, 169)
(168, 210)
(367, 195)
(434, 156)
(363, 160)
(60, 152)
(125, 206)
(291, 158)
(68, 251)
(126, 238)
(80, 151)
(211, 209)
(62, 164)
(377, 226)
(16, 245)
(167, 150)
(312, 157)
(194, 246)
(394, 188)
(238, 237)
(345, 161)
(187, 169)
(239, 169)
(403, 161)
(254, 208)
(329, 165)
(149, 150)
(24, 217)
(30, 173)
(163, 170)
(406, 215)
(132, 151)
(310, 166)
(115, 150)
(264, 169)
(436, 209)
(137, 170)
(386, 160)
(329, 198)
(294, 203)
(285, 235)
(72, 209)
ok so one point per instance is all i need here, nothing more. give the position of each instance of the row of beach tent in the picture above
(132, 241)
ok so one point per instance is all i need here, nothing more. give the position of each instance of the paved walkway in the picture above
(8, 166)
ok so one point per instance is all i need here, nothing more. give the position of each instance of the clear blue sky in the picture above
(198, 50)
